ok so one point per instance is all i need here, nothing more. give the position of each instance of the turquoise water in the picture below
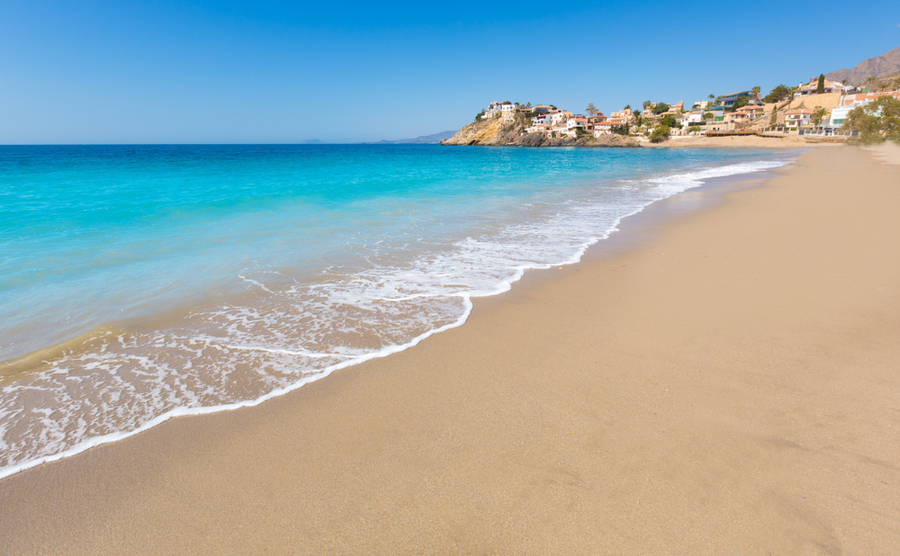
(194, 278)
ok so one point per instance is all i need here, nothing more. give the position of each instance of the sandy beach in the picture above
(715, 381)
(737, 142)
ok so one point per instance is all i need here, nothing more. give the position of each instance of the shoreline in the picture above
(711, 188)
(457, 446)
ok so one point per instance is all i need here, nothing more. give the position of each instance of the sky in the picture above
(198, 71)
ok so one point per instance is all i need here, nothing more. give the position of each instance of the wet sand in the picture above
(724, 383)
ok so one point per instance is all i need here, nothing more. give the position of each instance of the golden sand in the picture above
(729, 386)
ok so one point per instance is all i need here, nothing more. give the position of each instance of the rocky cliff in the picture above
(886, 64)
(493, 132)
(490, 131)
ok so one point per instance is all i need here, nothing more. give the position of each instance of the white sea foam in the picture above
(293, 332)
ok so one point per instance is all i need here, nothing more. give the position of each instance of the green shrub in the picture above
(659, 134)
(875, 121)
(779, 93)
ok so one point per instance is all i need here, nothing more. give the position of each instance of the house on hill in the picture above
(744, 114)
(730, 99)
(798, 118)
(574, 124)
(603, 128)
(499, 108)
(621, 117)
(848, 102)
(813, 85)
(862, 98)
(674, 108)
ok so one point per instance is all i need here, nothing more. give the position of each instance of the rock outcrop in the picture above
(886, 64)
(494, 132)
(491, 131)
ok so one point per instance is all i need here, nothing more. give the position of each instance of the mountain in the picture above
(886, 64)
(424, 139)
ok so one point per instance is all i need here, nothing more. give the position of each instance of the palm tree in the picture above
(818, 115)
(591, 109)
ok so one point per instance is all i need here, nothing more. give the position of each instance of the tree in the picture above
(773, 120)
(627, 107)
(708, 116)
(737, 104)
(779, 93)
(756, 90)
(659, 134)
(591, 109)
(647, 104)
(875, 121)
(818, 115)
(660, 108)
(711, 97)
(668, 121)
(820, 86)
(621, 129)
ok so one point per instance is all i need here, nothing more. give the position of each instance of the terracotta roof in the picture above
(815, 84)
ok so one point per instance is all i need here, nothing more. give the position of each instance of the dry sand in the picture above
(729, 386)
(738, 142)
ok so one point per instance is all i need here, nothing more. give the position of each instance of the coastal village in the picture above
(815, 110)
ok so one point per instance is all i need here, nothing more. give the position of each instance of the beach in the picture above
(721, 380)
(737, 142)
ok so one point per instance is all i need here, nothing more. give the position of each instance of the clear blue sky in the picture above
(197, 71)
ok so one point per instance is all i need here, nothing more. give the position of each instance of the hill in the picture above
(423, 139)
(886, 64)
(494, 132)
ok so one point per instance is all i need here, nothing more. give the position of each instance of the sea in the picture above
(143, 282)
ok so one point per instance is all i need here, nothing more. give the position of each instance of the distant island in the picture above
(421, 140)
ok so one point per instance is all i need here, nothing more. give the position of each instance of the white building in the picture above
(603, 128)
(574, 124)
(559, 117)
(495, 108)
(800, 117)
